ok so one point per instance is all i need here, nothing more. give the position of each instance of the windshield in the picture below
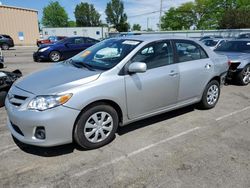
(106, 54)
(235, 46)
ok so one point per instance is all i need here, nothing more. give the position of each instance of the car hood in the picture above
(235, 55)
(56, 79)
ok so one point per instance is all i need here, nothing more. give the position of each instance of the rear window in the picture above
(235, 46)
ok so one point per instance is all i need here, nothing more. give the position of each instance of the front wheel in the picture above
(96, 126)
(55, 56)
(244, 76)
(210, 95)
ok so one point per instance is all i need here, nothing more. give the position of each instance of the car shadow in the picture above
(69, 148)
(155, 119)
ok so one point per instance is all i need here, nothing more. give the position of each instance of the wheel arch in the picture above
(100, 102)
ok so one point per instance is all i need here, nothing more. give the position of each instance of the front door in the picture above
(157, 88)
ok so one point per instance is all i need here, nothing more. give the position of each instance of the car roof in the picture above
(153, 37)
(245, 39)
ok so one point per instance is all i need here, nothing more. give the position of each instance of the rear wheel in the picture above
(244, 76)
(210, 95)
(96, 126)
(5, 46)
(55, 56)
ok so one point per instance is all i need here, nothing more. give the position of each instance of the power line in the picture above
(146, 13)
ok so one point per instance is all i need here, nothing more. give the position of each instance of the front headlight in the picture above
(43, 49)
(42, 103)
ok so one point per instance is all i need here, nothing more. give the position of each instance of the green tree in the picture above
(54, 15)
(116, 16)
(136, 27)
(86, 15)
(236, 18)
(179, 18)
(71, 23)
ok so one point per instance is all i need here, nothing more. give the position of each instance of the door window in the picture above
(155, 54)
(188, 51)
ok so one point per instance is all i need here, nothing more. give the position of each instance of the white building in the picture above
(93, 32)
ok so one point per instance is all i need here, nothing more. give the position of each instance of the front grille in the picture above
(16, 100)
(17, 129)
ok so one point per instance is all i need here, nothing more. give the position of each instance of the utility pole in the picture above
(160, 15)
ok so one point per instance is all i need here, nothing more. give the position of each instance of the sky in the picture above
(133, 8)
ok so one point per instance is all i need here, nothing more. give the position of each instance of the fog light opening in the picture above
(40, 133)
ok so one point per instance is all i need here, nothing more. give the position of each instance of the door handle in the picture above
(173, 73)
(208, 66)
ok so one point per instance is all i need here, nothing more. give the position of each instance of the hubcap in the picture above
(246, 75)
(55, 57)
(212, 94)
(98, 127)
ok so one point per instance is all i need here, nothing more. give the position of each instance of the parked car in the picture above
(244, 36)
(210, 37)
(63, 49)
(6, 42)
(238, 52)
(213, 43)
(112, 83)
(50, 40)
(6, 80)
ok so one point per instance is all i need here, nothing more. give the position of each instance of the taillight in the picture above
(229, 63)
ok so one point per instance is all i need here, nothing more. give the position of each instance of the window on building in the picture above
(75, 32)
(97, 32)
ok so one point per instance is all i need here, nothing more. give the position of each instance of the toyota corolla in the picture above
(113, 83)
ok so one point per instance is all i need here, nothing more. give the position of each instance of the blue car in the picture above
(63, 49)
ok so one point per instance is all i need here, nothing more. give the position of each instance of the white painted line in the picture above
(134, 153)
(232, 113)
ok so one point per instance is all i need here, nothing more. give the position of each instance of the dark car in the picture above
(238, 53)
(50, 40)
(210, 37)
(6, 42)
(63, 49)
(244, 36)
(6, 80)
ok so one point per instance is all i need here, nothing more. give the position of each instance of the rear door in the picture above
(157, 88)
(74, 46)
(196, 69)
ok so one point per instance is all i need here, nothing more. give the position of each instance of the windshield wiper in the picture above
(79, 64)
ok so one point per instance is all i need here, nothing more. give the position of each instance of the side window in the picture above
(78, 41)
(155, 55)
(187, 51)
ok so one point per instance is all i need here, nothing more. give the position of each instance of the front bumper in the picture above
(37, 57)
(58, 122)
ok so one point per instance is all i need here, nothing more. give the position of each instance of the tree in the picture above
(86, 15)
(136, 27)
(54, 15)
(236, 18)
(116, 16)
(71, 23)
(179, 18)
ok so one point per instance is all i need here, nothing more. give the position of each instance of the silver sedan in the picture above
(111, 84)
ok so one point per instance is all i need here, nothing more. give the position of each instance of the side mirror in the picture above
(137, 67)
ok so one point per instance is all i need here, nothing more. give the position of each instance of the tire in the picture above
(244, 76)
(210, 95)
(3, 95)
(89, 134)
(55, 56)
(5, 46)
